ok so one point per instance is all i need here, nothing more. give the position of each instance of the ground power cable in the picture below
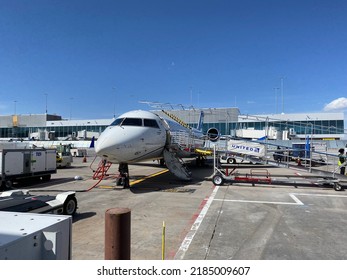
(92, 187)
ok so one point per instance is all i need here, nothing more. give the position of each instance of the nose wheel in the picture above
(123, 179)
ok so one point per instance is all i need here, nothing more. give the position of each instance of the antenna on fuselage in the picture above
(201, 120)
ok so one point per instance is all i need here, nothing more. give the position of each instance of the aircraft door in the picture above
(165, 126)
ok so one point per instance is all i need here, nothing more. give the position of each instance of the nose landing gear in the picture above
(123, 179)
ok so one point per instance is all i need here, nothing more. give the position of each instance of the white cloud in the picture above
(336, 105)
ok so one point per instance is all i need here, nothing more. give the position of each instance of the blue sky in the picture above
(91, 59)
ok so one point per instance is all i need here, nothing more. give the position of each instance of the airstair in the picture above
(179, 145)
(102, 169)
(176, 165)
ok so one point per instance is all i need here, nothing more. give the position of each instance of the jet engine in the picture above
(213, 134)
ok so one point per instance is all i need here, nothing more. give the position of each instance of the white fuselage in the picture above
(141, 135)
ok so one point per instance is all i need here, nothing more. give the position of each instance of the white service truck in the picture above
(18, 164)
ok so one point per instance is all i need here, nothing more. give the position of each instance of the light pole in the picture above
(276, 98)
(46, 102)
(15, 107)
(282, 95)
(71, 98)
(115, 101)
(46, 96)
(311, 146)
(227, 120)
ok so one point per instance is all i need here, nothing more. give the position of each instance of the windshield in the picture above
(150, 123)
(135, 122)
(117, 121)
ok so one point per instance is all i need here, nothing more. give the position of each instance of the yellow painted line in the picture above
(105, 187)
(149, 176)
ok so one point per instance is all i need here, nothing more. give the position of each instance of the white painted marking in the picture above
(322, 195)
(292, 195)
(190, 235)
(297, 200)
(262, 202)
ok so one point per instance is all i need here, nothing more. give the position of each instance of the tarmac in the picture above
(202, 221)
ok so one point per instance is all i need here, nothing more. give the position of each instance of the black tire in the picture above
(217, 180)
(70, 206)
(126, 183)
(231, 160)
(337, 187)
(3, 186)
(119, 182)
(46, 178)
(6, 185)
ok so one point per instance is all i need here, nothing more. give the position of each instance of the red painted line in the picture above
(192, 220)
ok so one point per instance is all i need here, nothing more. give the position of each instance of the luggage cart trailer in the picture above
(262, 176)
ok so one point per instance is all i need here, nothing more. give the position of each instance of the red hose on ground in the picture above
(92, 187)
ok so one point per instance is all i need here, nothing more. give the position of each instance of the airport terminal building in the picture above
(50, 127)
(229, 121)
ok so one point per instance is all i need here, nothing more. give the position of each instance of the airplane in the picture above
(139, 135)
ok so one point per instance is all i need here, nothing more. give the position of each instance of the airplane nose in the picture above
(105, 143)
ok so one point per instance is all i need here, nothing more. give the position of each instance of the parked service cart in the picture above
(18, 164)
(22, 201)
(78, 152)
(262, 176)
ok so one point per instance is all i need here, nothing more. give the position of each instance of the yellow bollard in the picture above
(163, 242)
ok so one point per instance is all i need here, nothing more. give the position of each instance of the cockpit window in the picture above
(135, 122)
(117, 121)
(150, 123)
(132, 122)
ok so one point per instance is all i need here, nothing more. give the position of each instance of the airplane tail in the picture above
(92, 143)
(201, 121)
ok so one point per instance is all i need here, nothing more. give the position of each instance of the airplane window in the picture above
(117, 121)
(132, 122)
(150, 123)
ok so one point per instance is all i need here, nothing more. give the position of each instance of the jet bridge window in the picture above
(150, 123)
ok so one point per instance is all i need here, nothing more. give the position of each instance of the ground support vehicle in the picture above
(22, 201)
(18, 164)
(64, 156)
(34, 236)
(78, 152)
(242, 151)
(263, 177)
